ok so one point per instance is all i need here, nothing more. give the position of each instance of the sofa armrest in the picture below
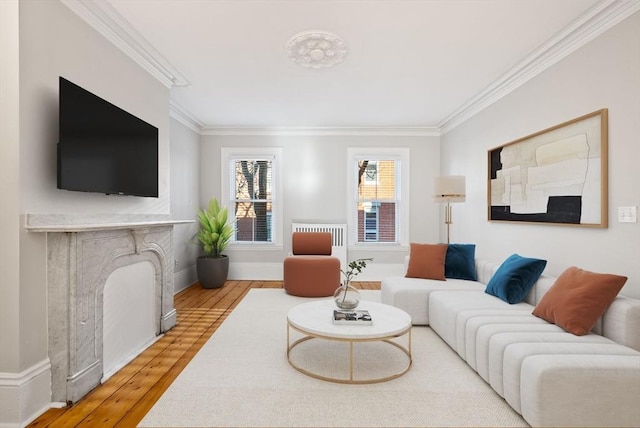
(621, 322)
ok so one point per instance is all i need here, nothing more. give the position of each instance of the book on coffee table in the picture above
(353, 317)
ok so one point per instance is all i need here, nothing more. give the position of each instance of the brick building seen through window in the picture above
(377, 200)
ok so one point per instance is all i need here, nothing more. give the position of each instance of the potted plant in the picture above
(214, 236)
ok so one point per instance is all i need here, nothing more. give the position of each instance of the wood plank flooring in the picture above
(124, 399)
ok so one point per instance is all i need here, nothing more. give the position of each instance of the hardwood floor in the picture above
(124, 399)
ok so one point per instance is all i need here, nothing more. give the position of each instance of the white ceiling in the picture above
(410, 64)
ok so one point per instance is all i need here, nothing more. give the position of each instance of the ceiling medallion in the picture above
(316, 49)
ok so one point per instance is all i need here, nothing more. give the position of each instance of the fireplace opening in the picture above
(130, 318)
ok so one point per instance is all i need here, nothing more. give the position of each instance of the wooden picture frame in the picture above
(555, 176)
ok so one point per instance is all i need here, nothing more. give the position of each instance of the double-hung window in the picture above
(378, 206)
(250, 182)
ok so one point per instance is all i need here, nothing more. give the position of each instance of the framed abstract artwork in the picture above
(557, 175)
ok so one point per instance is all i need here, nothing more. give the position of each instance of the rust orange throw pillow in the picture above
(427, 261)
(578, 298)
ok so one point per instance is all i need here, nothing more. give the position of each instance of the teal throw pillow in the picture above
(515, 277)
(460, 262)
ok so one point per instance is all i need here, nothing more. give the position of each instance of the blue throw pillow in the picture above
(460, 262)
(515, 277)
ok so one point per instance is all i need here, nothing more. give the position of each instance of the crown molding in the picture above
(404, 131)
(107, 21)
(183, 116)
(593, 23)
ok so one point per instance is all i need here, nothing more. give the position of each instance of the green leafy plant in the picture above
(215, 232)
(355, 268)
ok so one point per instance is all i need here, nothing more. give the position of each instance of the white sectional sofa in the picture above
(548, 375)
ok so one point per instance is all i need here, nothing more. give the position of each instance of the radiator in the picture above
(338, 238)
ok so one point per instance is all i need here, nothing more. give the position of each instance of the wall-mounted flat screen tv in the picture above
(103, 148)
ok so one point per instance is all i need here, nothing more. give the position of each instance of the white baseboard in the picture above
(184, 278)
(255, 271)
(107, 374)
(378, 271)
(273, 271)
(26, 395)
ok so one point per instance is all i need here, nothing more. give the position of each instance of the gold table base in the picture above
(351, 380)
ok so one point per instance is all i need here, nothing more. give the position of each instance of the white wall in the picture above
(185, 191)
(315, 189)
(9, 194)
(54, 42)
(603, 74)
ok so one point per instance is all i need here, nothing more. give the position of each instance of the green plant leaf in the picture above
(215, 232)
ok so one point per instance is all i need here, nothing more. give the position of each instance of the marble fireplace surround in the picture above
(82, 252)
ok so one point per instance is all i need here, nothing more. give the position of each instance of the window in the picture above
(250, 185)
(379, 210)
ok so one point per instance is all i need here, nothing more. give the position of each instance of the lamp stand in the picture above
(449, 189)
(447, 218)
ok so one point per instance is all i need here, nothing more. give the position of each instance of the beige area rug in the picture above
(241, 378)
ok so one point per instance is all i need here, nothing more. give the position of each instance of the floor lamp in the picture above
(449, 189)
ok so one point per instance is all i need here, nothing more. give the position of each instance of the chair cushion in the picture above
(311, 276)
(311, 243)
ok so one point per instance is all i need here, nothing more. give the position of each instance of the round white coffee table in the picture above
(314, 320)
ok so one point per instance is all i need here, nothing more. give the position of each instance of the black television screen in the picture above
(103, 148)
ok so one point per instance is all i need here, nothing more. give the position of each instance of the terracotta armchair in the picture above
(311, 271)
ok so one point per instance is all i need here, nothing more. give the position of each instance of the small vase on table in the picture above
(346, 296)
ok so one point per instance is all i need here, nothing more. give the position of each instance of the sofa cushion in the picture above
(515, 277)
(460, 262)
(485, 269)
(508, 351)
(447, 306)
(475, 325)
(478, 352)
(580, 390)
(464, 317)
(578, 298)
(427, 261)
(412, 294)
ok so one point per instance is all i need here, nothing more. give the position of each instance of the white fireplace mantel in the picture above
(86, 223)
(82, 252)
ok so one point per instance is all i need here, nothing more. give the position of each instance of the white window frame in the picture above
(274, 154)
(401, 154)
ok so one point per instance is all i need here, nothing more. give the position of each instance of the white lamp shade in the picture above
(449, 188)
